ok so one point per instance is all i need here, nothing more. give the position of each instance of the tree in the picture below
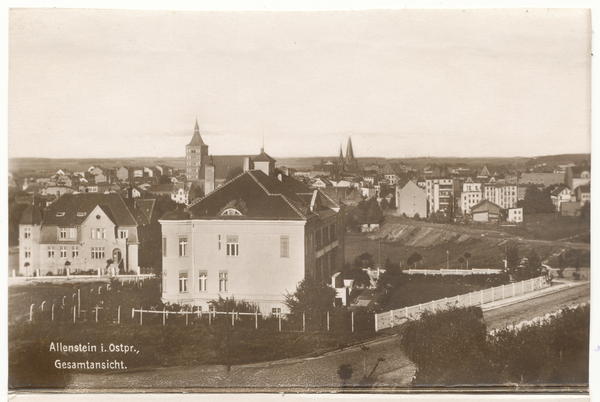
(365, 260)
(512, 258)
(345, 372)
(368, 212)
(164, 180)
(311, 296)
(467, 255)
(392, 267)
(448, 347)
(414, 258)
(537, 201)
(233, 172)
(533, 268)
(231, 304)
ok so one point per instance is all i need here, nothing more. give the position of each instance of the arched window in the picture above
(231, 211)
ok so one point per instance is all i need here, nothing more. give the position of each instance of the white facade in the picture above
(515, 215)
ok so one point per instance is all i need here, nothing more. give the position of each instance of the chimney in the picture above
(246, 164)
(209, 177)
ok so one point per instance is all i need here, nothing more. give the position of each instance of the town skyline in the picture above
(401, 83)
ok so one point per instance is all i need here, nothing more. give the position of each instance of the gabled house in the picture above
(486, 211)
(254, 238)
(578, 176)
(85, 230)
(411, 199)
(559, 195)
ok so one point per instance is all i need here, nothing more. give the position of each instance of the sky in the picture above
(401, 83)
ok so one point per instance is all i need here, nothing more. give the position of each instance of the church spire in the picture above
(196, 139)
(341, 158)
(349, 151)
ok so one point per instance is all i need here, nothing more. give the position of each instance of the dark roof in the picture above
(31, 216)
(485, 205)
(261, 197)
(197, 139)
(558, 190)
(584, 189)
(161, 188)
(176, 215)
(77, 207)
(263, 157)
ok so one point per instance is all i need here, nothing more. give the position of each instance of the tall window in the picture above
(183, 241)
(202, 277)
(164, 247)
(63, 252)
(232, 245)
(123, 234)
(98, 253)
(284, 246)
(183, 282)
(27, 233)
(223, 281)
(75, 252)
(63, 233)
(276, 311)
(27, 252)
(50, 252)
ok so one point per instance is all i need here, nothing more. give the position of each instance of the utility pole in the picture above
(447, 259)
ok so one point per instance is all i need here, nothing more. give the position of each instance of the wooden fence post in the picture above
(96, 313)
(328, 321)
(141, 313)
(119, 315)
(352, 321)
(74, 312)
(133, 313)
(79, 302)
(31, 312)
(303, 321)
(256, 320)
(279, 322)
(232, 318)
(52, 311)
(375, 316)
(164, 316)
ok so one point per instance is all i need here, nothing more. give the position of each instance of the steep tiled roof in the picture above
(197, 139)
(73, 209)
(31, 216)
(485, 205)
(263, 157)
(558, 190)
(262, 197)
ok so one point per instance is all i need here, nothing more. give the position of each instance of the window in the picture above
(232, 246)
(231, 211)
(98, 253)
(276, 311)
(27, 233)
(60, 214)
(183, 278)
(219, 242)
(103, 233)
(223, 281)
(63, 252)
(183, 241)
(164, 247)
(203, 275)
(123, 234)
(50, 252)
(92, 233)
(75, 252)
(81, 213)
(63, 233)
(284, 246)
(27, 252)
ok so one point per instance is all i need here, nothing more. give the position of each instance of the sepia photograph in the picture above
(352, 201)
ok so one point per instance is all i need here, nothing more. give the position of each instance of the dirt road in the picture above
(381, 359)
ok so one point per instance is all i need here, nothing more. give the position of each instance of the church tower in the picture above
(196, 155)
(351, 162)
(341, 160)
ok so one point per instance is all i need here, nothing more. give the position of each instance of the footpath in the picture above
(556, 286)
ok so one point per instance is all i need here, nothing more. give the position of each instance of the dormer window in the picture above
(59, 214)
(231, 211)
(81, 213)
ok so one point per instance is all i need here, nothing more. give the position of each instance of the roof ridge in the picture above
(285, 198)
(197, 200)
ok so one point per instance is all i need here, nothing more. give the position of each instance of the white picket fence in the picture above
(474, 271)
(393, 318)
